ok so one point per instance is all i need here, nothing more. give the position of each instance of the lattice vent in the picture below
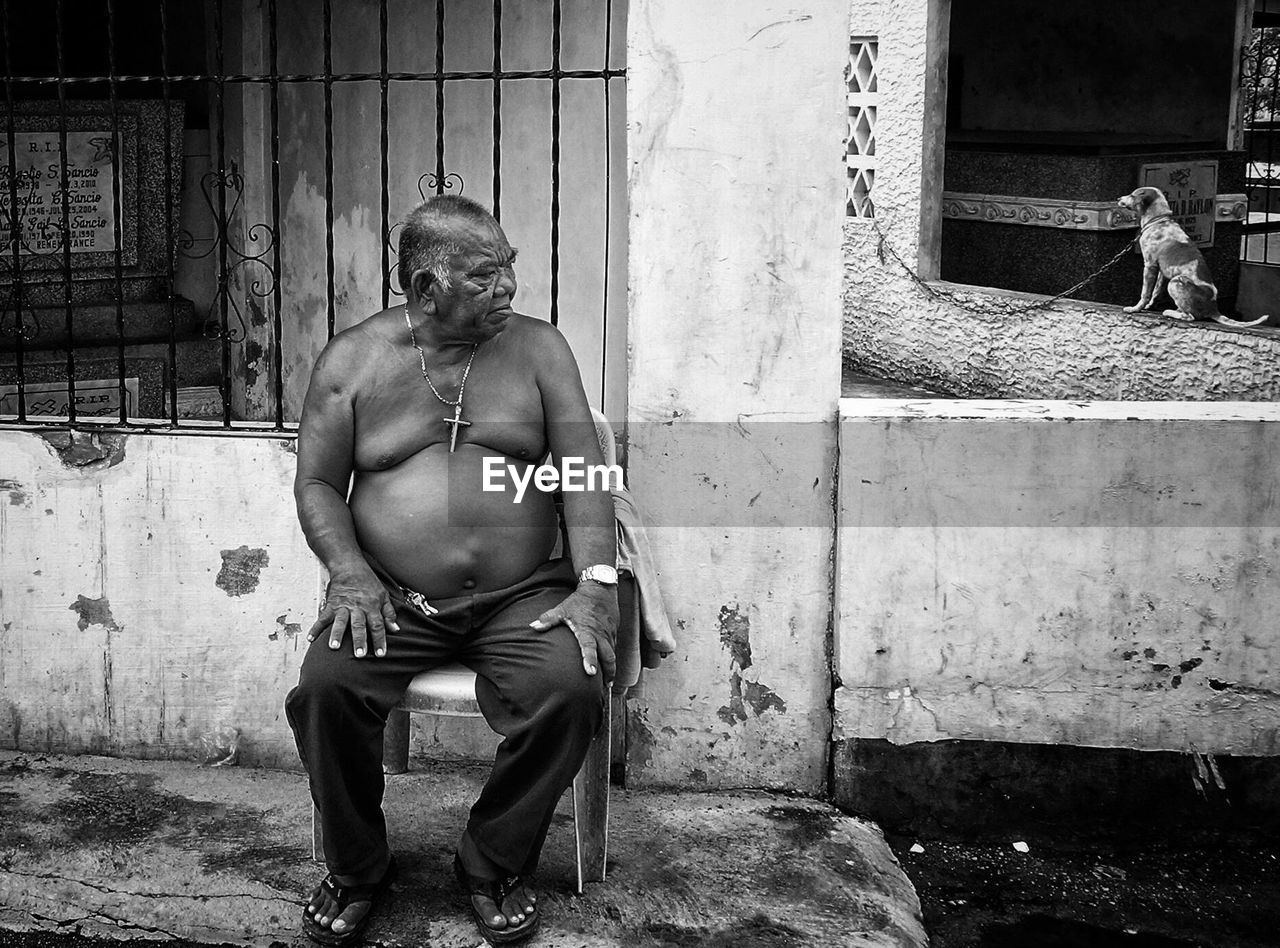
(864, 100)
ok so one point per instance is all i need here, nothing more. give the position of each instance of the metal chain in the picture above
(422, 358)
(884, 248)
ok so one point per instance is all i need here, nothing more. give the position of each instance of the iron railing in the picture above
(1261, 104)
(243, 314)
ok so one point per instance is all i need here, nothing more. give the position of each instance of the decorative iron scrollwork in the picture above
(430, 181)
(9, 325)
(223, 191)
(438, 183)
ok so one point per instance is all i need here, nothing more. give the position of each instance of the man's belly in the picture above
(433, 527)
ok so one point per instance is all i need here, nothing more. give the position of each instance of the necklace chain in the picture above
(422, 359)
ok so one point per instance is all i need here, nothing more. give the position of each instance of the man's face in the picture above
(477, 303)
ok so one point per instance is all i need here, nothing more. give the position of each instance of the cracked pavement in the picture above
(176, 852)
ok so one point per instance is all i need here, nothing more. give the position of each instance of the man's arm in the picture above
(326, 441)
(591, 611)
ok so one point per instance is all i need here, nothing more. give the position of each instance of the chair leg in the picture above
(395, 743)
(317, 836)
(591, 807)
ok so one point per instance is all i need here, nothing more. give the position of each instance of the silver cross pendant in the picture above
(455, 423)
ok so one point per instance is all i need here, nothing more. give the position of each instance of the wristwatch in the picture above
(604, 575)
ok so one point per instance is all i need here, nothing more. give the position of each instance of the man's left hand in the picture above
(591, 614)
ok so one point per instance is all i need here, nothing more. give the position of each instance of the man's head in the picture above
(428, 238)
(456, 264)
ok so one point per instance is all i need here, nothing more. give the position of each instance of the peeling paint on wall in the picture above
(17, 493)
(290, 630)
(241, 569)
(735, 635)
(94, 612)
(640, 741)
(87, 451)
(743, 694)
(762, 699)
(733, 712)
(253, 353)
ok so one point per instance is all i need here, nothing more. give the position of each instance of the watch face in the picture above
(600, 574)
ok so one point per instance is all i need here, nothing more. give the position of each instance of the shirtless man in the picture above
(427, 567)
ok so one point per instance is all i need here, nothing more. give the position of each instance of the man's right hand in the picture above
(356, 600)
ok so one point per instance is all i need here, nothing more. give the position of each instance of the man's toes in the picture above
(321, 907)
(524, 901)
(350, 918)
(516, 908)
(490, 910)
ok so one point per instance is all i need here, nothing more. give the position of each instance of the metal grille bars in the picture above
(191, 301)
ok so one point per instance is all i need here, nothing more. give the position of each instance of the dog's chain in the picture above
(884, 248)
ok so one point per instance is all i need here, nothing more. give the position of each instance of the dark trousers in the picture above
(531, 689)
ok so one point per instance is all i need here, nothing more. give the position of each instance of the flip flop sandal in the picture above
(497, 890)
(346, 895)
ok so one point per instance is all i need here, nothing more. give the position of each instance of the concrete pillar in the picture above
(736, 126)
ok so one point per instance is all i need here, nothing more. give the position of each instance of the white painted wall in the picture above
(734, 322)
(172, 656)
(1050, 572)
(736, 196)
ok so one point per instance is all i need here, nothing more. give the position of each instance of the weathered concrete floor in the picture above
(163, 850)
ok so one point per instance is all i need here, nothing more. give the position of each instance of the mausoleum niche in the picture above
(1056, 110)
(98, 318)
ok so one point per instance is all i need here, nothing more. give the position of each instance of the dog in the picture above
(1170, 257)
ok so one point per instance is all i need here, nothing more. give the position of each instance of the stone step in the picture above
(46, 327)
(199, 360)
(200, 401)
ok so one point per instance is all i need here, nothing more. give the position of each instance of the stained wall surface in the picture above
(733, 372)
(1050, 572)
(155, 595)
(733, 378)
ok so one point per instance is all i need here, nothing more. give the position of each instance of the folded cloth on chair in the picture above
(656, 639)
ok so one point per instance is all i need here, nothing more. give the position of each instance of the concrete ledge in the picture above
(1091, 574)
(1013, 409)
(986, 343)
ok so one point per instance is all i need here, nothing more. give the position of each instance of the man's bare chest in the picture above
(501, 410)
